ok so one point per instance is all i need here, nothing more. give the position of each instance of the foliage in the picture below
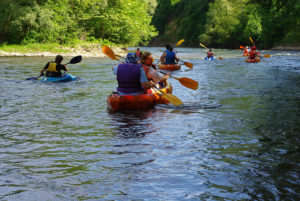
(229, 23)
(65, 21)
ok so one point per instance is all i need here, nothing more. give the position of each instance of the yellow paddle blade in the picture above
(203, 46)
(109, 52)
(179, 42)
(187, 82)
(188, 64)
(220, 58)
(267, 55)
(251, 40)
(172, 99)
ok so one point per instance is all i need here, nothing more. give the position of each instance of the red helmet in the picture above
(253, 48)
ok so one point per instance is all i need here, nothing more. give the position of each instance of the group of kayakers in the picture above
(251, 53)
(138, 75)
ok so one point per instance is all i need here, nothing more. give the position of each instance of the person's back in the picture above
(53, 68)
(170, 57)
(253, 54)
(131, 77)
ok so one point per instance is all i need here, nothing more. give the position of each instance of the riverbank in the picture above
(49, 50)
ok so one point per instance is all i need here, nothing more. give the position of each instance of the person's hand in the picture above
(152, 84)
(42, 74)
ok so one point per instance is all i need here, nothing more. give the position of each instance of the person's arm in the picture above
(144, 80)
(65, 68)
(45, 68)
(115, 69)
(176, 58)
(162, 58)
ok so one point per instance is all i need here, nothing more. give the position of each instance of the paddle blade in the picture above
(188, 64)
(203, 45)
(109, 52)
(220, 58)
(32, 78)
(242, 47)
(172, 99)
(187, 82)
(251, 40)
(76, 60)
(179, 42)
(267, 55)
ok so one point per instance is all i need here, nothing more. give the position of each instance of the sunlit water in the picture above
(235, 138)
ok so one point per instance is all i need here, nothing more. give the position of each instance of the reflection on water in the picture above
(235, 138)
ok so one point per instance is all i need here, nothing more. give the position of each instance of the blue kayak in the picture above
(211, 58)
(64, 78)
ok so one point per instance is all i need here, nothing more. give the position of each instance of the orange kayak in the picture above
(169, 66)
(252, 60)
(118, 102)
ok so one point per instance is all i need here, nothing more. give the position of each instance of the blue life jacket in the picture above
(128, 76)
(170, 58)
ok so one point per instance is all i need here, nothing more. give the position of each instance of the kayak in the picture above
(169, 66)
(118, 102)
(252, 60)
(211, 58)
(64, 78)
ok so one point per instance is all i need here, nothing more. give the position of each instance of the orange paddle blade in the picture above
(267, 55)
(179, 42)
(220, 58)
(187, 82)
(109, 52)
(188, 64)
(242, 47)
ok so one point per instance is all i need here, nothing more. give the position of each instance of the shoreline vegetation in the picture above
(85, 50)
(50, 50)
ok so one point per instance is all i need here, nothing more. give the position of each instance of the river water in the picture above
(235, 138)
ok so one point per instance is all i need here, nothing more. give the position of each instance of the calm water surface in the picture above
(236, 138)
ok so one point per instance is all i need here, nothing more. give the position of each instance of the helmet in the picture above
(253, 48)
(131, 58)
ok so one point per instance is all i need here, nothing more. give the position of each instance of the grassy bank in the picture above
(87, 49)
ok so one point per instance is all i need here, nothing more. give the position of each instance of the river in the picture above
(235, 138)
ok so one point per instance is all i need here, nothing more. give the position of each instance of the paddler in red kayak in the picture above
(131, 76)
(253, 54)
(54, 68)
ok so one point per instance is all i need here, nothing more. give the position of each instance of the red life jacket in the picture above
(138, 53)
(252, 54)
(209, 54)
(245, 51)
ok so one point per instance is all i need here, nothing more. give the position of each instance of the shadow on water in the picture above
(133, 124)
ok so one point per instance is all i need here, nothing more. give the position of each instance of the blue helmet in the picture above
(131, 58)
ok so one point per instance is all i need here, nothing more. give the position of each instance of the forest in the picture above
(217, 23)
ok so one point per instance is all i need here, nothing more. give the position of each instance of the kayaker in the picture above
(53, 68)
(253, 54)
(169, 56)
(246, 51)
(131, 77)
(209, 53)
(151, 73)
(138, 52)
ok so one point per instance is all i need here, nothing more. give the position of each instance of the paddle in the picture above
(109, 52)
(220, 58)
(267, 55)
(242, 47)
(251, 40)
(170, 97)
(179, 42)
(74, 60)
(185, 81)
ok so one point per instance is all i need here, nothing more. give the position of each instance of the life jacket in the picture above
(52, 71)
(170, 57)
(128, 76)
(209, 54)
(52, 67)
(252, 54)
(245, 51)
